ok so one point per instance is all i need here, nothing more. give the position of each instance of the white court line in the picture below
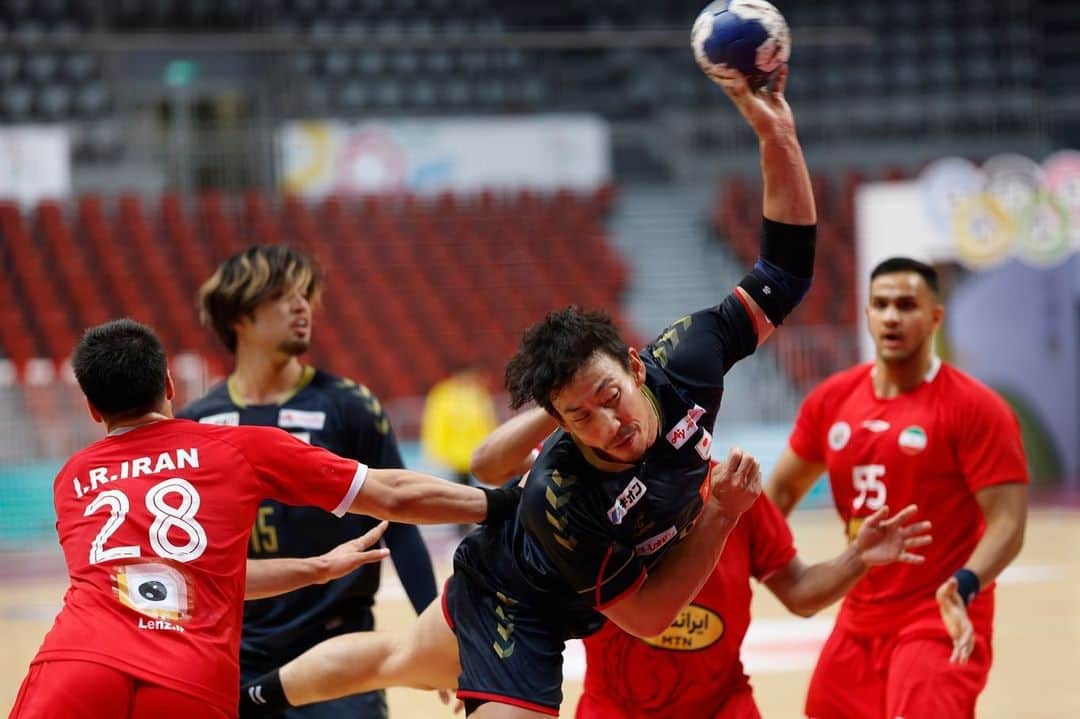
(771, 645)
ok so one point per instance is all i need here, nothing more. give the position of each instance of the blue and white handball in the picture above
(748, 35)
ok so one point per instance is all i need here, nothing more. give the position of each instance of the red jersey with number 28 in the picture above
(935, 446)
(693, 668)
(154, 524)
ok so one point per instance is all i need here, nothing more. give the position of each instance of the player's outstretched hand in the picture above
(347, 556)
(957, 623)
(765, 109)
(881, 540)
(736, 482)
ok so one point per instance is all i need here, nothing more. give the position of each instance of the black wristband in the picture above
(790, 247)
(502, 504)
(968, 584)
(263, 697)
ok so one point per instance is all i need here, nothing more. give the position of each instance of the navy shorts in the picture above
(509, 654)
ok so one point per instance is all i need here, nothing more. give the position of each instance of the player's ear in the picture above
(94, 414)
(637, 367)
(938, 314)
(170, 387)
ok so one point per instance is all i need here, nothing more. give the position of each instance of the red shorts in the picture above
(85, 690)
(893, 676)
(738, 706)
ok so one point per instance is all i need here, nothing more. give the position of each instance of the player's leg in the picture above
(846, 683)
(923, 684)
(511, 654)
(425, 656)
(74, 690)
(154, 702)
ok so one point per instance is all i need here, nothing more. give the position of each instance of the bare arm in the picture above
(270, 577)
(507, 451)
(1004, 507)
(401, 495)
(791, 479)
(788, 196)
(654, 605)
(805, 590)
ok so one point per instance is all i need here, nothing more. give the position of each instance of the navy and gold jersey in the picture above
(588, 531)
(347, 419)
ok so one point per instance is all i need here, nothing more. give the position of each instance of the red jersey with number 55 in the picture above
(154, 525)
(935, 446)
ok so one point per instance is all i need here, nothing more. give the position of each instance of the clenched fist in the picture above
(736, 482)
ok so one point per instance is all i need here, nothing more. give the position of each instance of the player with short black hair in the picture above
(624, 514)
(154, 522)
(908, 427)
(896, 265)
(260, 302)
(121, 368)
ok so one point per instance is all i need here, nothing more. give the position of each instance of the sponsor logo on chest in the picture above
(654, 543)
(686, 427)
(695, 628)
(626, 500)
(301, 419)
(229, 419)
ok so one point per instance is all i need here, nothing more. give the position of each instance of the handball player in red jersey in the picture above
(911, 641)
(154, 522)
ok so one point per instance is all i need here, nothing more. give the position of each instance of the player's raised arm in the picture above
(510, 449)
(781, 277)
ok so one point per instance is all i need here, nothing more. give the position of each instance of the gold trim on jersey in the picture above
(306, 376)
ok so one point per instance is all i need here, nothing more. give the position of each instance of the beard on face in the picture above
(294, 347)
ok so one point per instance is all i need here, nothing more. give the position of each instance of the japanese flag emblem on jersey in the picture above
(686, 427)
(912, 440)
(154, 590)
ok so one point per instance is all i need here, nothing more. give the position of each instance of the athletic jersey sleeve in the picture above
(989, 449)
(700, 348)
(807, 438)
(297, 473)
(771, 545)
(573, 542)
(375, 443)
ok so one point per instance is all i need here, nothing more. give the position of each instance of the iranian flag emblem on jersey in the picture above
(912, 440)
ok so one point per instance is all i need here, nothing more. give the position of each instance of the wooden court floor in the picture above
(1036, 641)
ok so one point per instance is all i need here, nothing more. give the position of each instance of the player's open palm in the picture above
(736, 482)
(765, 109)
(954, 614)
(883, 540)
(354, 553)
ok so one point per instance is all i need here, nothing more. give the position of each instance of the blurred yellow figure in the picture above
(459, 413)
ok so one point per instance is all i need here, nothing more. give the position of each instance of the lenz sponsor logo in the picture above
(695, 628)
(653, 544)
(626, 500)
